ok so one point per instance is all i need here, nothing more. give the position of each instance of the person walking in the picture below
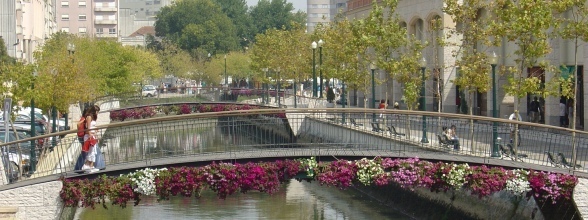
(382, 106)
(515, 116)
(91, 140)
(534, 110)
(562, 113)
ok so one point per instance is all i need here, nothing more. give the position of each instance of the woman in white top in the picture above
(91, 155)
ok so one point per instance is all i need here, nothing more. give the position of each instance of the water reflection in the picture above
(195, 137)
(296, 200)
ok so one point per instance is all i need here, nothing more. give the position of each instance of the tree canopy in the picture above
(194, 24)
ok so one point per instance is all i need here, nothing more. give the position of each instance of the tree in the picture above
(574, 27)
(4, 58)
(471, 52)
(97, 68)
(269, 14)
(525, 23)
(174, 61)
(209, 29)
(237, 11)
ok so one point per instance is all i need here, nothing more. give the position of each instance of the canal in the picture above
(295, 200)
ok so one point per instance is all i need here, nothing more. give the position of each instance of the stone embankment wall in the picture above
(33, 202)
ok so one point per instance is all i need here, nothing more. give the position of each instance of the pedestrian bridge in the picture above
(232, 132)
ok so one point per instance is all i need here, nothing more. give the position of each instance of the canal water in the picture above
(295, 200)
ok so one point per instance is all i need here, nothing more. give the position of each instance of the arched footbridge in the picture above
(232, 132)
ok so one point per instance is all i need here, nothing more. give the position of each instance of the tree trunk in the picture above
(471, 107)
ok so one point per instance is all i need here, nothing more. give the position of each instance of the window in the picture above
(82, 17)
(99, 31)
(66, 30)
(324, 6)
(313, 6)
(82, 4)
(65, 17)
(82, 30)
(157, 2)
(64, 4)
(111, 30)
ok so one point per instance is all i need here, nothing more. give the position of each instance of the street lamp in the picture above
(493, 62)
(320, 44)
(313, 46)
(373, 68)
(33, 160)
(266, 87)
(423, 63)
(226, 77)
(71, 50)
(278, 87)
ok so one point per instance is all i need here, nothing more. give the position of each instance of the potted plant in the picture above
(330, 98)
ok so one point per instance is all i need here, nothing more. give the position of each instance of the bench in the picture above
(393, 131)
(510, 152)
(355, 123)
(445, 142)
(552, 159)
(565, 163)
(376, 127)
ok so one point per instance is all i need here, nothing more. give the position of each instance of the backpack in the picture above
(81, 127)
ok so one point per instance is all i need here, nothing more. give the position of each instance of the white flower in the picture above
(144, 180)
(519, 184)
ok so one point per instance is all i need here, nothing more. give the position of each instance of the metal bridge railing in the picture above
(271, 132)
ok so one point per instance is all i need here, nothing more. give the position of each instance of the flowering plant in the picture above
(518, 183)
(226, 179)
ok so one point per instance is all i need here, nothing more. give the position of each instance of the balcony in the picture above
(105, 8)
(18, 29)
(105, 21)
(18, 6)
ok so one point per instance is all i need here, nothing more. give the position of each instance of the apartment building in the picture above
(25, 25)
(322, 11)
(415, 16)
(96, 18)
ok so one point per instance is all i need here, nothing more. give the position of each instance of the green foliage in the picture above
(395, 52)
(209, 28)
(276, 14)
(471, 51)
(97, 68)
(526, 24)
(4, 58)
(281, 49)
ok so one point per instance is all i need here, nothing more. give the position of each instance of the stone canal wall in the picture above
(32, 202)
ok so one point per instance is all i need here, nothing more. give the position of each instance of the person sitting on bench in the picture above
(451, 135)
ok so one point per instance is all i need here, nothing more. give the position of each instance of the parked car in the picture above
(149, 91)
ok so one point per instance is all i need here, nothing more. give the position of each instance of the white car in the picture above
(149, 91)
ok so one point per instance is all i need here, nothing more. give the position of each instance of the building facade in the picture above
(322, 11)
(25, 25)
(415, 15)
(97, 18)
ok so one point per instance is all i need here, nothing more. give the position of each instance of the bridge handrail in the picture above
(298, 111)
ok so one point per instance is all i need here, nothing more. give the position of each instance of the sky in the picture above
(298, 4)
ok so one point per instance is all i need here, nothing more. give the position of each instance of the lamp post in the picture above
(320, 44)
(343, 101)
(278, 86)
(423, 63)
(493, 62)
(33, 160)
(265, 94)
(71, 49)
(226, 77)
(313, 46)
(373, 68)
